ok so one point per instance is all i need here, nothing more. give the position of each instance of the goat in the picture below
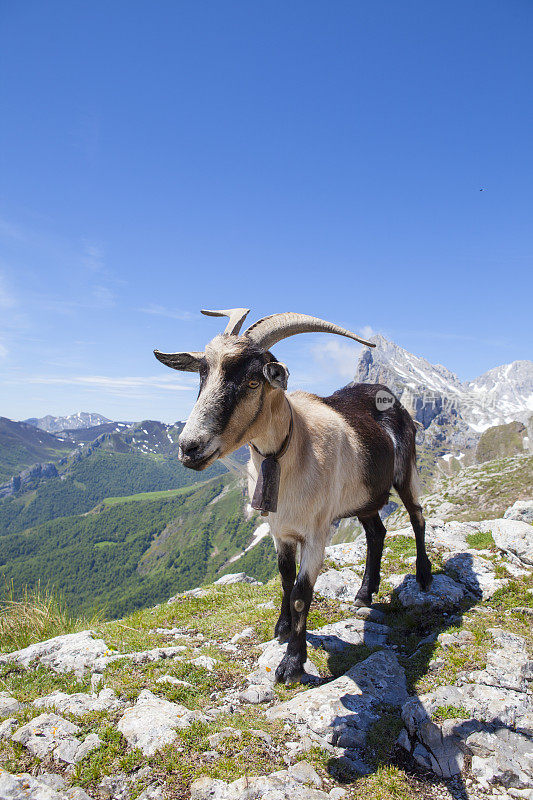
(313, 460)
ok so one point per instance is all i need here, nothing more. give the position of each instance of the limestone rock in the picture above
(145, 656)
(80, 703)
(341, 712)
(513, 536)
(336, 637)
(303, 772)
(347, 553)
(443, 592)
(475, 573)
(508, 665)
(25, 787)
(244, 634)
(257, 694)
(459, 639)
(53, 780)
(502, 757)
(8, 705)
(198, 592)
(522, 510)
(498, 730)
(269, 660)
(44, 733)
(338, 584)
(49, 733)
(152, 722)
(72, 750)
(206, 662)
(72, 651)
(371, 614)
(152, 793)
(293, 784)
(237, 577)
(7, 727)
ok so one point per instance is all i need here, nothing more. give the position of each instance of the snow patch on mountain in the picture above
(431, 391)
(81, 419)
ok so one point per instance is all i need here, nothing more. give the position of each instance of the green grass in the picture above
(442, 713)
(482, 540)
(34, 615)
(162, 494)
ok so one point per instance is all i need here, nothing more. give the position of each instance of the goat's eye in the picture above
(253, 384)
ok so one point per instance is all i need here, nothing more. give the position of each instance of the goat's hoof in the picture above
(362, 602)
(424, 578)
(282, 631)
(290, 670)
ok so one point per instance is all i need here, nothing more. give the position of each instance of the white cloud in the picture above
(366, 332)
(161, 311)
(113, 384)
(337, 356)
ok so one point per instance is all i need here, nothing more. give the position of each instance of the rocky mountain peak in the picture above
(81, 419)
(453, 413)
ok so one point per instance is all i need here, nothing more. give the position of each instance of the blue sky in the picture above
(322, 157)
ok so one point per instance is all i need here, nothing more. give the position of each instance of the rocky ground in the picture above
(422, 696)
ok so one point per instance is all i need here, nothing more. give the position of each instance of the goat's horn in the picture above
(236, 318)
(269, 330)
(186, 362)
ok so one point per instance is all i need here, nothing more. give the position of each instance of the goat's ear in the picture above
(187, 362)
(277, 374)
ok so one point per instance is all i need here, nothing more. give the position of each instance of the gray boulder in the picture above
(475, 573)
(300, 782)
(7, 727)
(152, 722)
(522, 510)
(237, 577)
(9, 705)
(337, 584)
(513, 536)
(269, 660)
(50, 734)
(498, 728)
(341, 712)
(72, 651)
(26, 787)
(80, 703)
(443, 592)
(347, 553)
(353, 631)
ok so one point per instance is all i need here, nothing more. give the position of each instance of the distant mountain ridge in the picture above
(22, 445)
(82, 419)
(453, 414)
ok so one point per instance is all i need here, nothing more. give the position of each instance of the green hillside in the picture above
(138, 551)
(87, 481)
(22, 445)
(501, 441)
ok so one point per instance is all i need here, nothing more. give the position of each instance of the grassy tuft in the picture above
(482, 540)
(450, 712)
(33, 616)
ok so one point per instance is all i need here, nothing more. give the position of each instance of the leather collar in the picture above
(286, 442)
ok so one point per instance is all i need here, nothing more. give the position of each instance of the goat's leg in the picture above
(287, 569)
(292, 665)
(423, 564)
(409, 498)
(375, 536)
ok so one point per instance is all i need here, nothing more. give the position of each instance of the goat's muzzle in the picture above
(196, 455)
